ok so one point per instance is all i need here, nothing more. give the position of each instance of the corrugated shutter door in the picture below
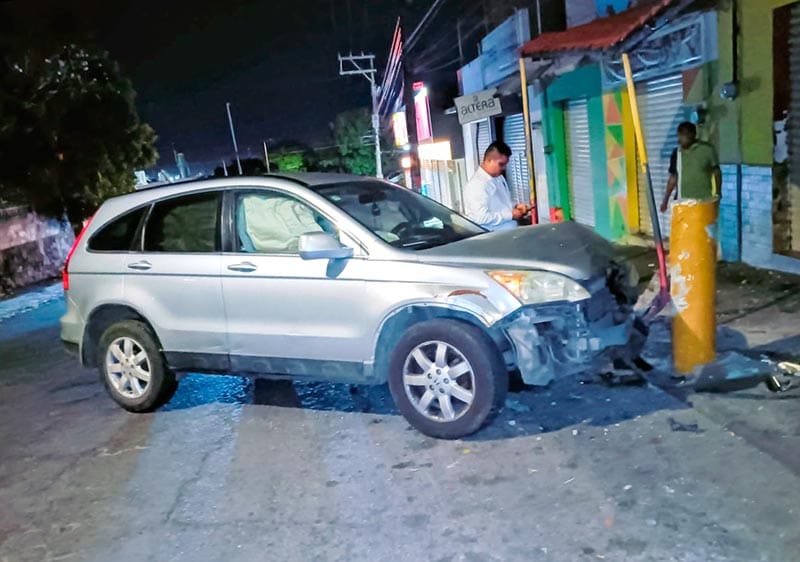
(661, 111)
(484, 138)
(793, 130)
(579, 162)
(517, 171)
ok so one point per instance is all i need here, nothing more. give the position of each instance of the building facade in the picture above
(730, 68)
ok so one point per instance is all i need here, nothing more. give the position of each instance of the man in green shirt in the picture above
(692, 167)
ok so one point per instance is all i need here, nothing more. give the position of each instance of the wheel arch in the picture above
(400, 320)
(100, 319)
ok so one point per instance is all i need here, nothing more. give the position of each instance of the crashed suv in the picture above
(341, 279)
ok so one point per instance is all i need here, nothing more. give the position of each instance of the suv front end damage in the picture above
(571, 337)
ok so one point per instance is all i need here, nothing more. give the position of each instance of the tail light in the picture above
(65, 271)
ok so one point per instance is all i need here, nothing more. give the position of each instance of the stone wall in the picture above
(32, 248)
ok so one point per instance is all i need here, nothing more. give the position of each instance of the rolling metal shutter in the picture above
(517, 173)
(579, 162)
(661, 111)
(484, 138)
(793, 133)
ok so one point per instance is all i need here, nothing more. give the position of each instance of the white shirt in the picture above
(488, 201)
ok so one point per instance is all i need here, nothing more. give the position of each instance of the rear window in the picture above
(119, 234)
(188, 224)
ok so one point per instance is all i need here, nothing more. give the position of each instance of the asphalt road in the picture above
(237, 470)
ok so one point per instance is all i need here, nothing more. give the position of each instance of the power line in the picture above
(429, 15)
(462, 17)
(422, 61)
(440, 67)
(395, 54)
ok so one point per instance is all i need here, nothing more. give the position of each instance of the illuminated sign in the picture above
(400, 129)
(435, 151)
(422, 111)
(477, 106)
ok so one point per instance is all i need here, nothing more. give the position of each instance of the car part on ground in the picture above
(785, 378)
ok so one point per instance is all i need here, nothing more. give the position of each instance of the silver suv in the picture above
(342, 279)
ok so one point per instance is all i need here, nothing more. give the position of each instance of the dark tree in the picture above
(70, 135)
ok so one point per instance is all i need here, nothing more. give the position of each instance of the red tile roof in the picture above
(597, 34)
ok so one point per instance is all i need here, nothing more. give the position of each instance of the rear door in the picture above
(174, 279)
(287, 315)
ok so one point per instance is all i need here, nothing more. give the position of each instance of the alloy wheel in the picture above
(128, 367)
(439, 381)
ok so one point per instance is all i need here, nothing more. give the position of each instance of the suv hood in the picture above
(567, 248)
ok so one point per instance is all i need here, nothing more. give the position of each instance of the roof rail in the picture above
(154, 185)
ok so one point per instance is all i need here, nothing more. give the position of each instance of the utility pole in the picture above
(224, 167)
(233, 137)
(266, 157)
(364, 65)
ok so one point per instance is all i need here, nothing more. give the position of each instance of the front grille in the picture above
(601, 303)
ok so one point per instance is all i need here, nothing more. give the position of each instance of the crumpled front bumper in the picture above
(568, 338)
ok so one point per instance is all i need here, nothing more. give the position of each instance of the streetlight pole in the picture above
(376, 129)
(233, 137)
(266, 157)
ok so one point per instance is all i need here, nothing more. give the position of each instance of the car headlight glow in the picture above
(535, 287)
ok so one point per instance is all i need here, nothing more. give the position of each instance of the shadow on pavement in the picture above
(531, 410)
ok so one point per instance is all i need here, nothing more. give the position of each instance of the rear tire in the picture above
(447, 378)
(133, 369)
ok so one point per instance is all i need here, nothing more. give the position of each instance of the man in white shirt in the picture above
(486, 195)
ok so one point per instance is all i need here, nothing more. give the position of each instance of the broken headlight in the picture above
(536, 287)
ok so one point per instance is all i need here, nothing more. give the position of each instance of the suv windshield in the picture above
(399, 216)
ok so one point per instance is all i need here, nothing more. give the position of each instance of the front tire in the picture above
(447, 378)
(133, 369)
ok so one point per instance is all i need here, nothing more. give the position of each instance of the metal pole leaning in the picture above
(526, 112)
(663, 296)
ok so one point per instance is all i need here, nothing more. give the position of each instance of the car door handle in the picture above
(143, 265)
(245, 267)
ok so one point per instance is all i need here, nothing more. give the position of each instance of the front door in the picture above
(287, 315)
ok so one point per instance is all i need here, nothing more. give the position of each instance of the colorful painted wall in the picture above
(585, 83)
(616, 159)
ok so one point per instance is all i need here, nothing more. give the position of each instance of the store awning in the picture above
(601, 33)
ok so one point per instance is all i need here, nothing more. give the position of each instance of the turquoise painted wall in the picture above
(584, 82)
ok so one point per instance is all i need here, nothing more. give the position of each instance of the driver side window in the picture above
(272, 223)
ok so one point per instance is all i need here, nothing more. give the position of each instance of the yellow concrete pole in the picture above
(693, 263)
(526, 112)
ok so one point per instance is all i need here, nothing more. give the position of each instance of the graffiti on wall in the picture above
(615, 157)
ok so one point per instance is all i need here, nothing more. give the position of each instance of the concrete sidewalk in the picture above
(758, 315)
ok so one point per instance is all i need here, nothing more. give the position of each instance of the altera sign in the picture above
(478, 106)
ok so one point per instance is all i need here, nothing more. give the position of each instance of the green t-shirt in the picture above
(694, 167)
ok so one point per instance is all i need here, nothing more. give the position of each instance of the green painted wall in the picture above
(745, 125)
(584, 82)
(556, 158)
(597, 148)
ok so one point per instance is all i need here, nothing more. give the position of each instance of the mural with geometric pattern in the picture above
(615, 158)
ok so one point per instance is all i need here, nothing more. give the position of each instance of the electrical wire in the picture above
(426, 19)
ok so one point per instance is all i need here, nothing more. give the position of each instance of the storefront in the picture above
(595, 176)
(661, 107)
(579, 161)
(496, 70)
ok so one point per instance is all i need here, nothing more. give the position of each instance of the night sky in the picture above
(275, 61)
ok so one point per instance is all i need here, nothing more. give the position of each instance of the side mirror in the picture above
(323, 246)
